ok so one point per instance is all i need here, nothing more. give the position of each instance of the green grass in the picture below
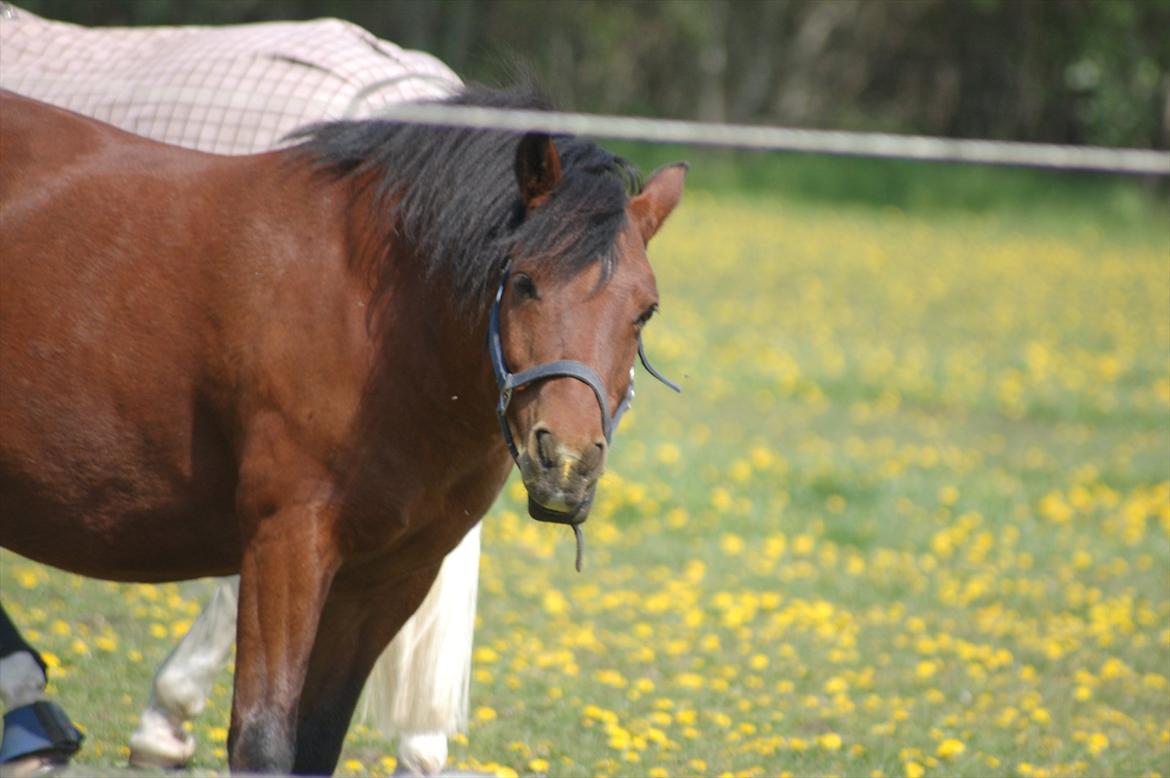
(912, 513)
(1124, 204)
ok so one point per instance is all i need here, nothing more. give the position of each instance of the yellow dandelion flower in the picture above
(668, 454)
(731, 544)
(803, 545)
(761, 457)
(836, 685)
(610, 678)
(830, 741)
(554, 602)
(720, 499)
(1098, 742)
(720, 719)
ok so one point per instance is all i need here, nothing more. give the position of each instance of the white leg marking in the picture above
(183, 681)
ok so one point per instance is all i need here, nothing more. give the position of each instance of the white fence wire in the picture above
(764, 138)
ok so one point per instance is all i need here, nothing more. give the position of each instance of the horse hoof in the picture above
(158, 744)
(421, 753)
(33, 767)
(151, 756)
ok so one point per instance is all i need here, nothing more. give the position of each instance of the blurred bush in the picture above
(1075, 71)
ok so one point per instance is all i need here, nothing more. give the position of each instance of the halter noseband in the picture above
(508, 382)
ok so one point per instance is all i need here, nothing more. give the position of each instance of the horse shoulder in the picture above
(296, 343)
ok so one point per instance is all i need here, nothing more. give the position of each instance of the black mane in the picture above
(452, 195)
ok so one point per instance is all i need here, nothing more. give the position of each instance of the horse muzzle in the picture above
(570, 514)
(560, 483)
(557, 496)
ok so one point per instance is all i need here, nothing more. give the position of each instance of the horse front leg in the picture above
(287, 567)
(356, 625)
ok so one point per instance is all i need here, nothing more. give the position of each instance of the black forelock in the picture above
(451, 194)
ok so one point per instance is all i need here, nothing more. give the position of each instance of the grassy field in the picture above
(910, 517)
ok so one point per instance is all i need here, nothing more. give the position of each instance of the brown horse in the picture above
(279, 365)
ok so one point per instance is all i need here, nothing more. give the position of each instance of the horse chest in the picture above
(423, 513)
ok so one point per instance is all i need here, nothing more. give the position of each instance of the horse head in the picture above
(563, 343)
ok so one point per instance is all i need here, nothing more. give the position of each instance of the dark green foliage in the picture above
(1076, 71)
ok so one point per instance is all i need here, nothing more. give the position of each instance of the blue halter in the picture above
(508, 381)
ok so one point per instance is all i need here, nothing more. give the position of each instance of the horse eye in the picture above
(646, 314)
(523, 285)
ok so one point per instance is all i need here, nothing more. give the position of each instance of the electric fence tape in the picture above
(764, 138)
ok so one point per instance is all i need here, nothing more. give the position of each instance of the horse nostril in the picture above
(544, 446)
(595, 456)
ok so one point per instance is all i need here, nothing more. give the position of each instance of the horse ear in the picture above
(538, 168)
(658, 198)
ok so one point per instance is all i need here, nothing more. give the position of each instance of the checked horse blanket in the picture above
(230, 90)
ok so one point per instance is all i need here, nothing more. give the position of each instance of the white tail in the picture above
(421, 681)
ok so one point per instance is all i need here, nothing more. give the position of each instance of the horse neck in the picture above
(432, 360)
(429, 458)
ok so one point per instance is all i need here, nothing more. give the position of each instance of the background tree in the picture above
(1076, 71)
